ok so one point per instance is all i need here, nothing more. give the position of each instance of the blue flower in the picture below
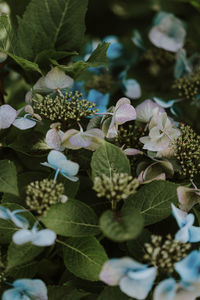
(26, 289)
(44, 237)
(99, 98)
(168, 289)
(134, 279)
(189, 267)
(59, 162)
(19, 221)
(187, 232)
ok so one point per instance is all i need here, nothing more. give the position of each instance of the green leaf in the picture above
(72, 219)
(109, 159)
(51, 24)
(67, 292)
(46, 56)
(122, 226)
(21, 254)
(24, 63)
(112, 293)
(8, 177)
(154, 200)
(99, 57)
(28, 270)
(84, 257)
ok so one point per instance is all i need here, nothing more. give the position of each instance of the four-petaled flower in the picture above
(26, 289)
(59, 162)
(133, 278)
(187, 232)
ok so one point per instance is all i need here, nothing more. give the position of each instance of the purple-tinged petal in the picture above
(124, 113)
(114, 269)
(54, 139)
(144, 111)
(132, 151)
(7, 116)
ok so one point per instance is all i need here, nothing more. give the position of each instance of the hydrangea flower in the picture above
(133, 278)
(90, 139)
(44, 237)
(161, 133)
(56, 79)
(13, 216)
(187, 232)
(59, 162)
(26, 289)
(168, 32)
(122, 113)
(188, 197)
(169, 289)
(8, 117)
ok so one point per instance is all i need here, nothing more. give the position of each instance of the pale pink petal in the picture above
(54, 139)
(124, 113)
(122, 101)
(132, 151)
(7, 116)
(144, 111)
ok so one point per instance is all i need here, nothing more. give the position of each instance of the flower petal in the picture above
(114, 269)
(44, 237)
(24, 123)
(22, 236)
(57, 79)
(132, 88)
(7, 116)
(139, 284)
(34, 288)
(124, 113)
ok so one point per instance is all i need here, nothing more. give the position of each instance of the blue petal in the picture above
(67, 167)
(194, 234)
(132, 88)
(189, 267)
(4, 213)
(99, 98)
(24, 123)
(14, 294)
(35, 288)
(182, 64)
(166, 290)
(115, 49)
(19, 221)
(140, 286)
(183, 235)
(55, 157)
(137, 39)
(179, 215)
(22, 236)
(44, 237)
